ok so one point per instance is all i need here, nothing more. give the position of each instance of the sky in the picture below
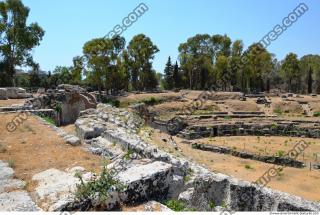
(70, 23)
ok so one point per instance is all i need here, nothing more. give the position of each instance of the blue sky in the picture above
(70, 23)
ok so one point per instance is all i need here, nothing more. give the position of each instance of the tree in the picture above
(236, 64)
(257, 68)
(17, 38)
(311, 62)
(62, 75)
(291, 72)
(77, 70)
(168, 73)
(310, 80)
(141, 52)
(223, 71)
(176, 76)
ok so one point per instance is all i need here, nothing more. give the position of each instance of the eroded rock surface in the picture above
(12, 196)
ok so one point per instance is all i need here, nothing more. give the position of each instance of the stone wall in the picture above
(204, 187)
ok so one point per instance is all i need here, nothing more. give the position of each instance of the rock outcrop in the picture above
(12, 195)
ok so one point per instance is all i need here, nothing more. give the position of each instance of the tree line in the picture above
(110, 65)
(217, 62)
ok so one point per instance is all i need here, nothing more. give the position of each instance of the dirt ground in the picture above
(267, 145)
(34, 148)
(300, 182)
(9, 102)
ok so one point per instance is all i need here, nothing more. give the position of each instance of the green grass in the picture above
(49, 120)
(277, 111)
(112, 102)
(152, 101)
(280, 153)
(176, 205)
(316, 114)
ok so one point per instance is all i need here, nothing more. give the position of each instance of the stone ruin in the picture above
(66, 100)
(62, 104)
(13, 93)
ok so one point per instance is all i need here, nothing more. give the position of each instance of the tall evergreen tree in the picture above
(168, 75)
(176, 76)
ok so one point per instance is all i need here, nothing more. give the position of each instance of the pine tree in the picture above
(168, 73)
(176, 76)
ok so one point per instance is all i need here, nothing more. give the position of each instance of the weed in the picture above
(3, 148)
(49, 120)
(128, 154)
(12, 164)
(152, 101)
(211, 205)
(99, 187)
(277, 111)
(316, 114)
(247, 166)
(280, 153)
(176, 205)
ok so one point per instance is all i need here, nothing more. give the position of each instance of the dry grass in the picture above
(289, 181)
(35, 148)
(9, 102)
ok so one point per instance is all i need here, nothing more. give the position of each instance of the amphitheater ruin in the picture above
(206, 151)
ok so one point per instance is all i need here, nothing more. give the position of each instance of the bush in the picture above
(280, 153)
(113, 102)
(278, 111)
(316, 114)
(99, 187)
(152, 101)
(176, 205)
(248, 166)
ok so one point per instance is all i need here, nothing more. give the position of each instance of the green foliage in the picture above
(212, 205)
(99, 187)
(280, 153)
(227, 117)
(176, 205)
(113, 102)
(12, 164)
(128, 154)
(247, 166)
(58, 107)
(316, 114)
(49, 120)
(17, 39)
(277, 111)
(291, 72)
(152, 101)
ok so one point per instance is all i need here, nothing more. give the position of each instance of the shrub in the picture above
(152, 101)
(280, 153)
(99, 187)
(277, 111)
(212, 205)
(316, 114)
(112, 102)
(247, 166)
(176, 205)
